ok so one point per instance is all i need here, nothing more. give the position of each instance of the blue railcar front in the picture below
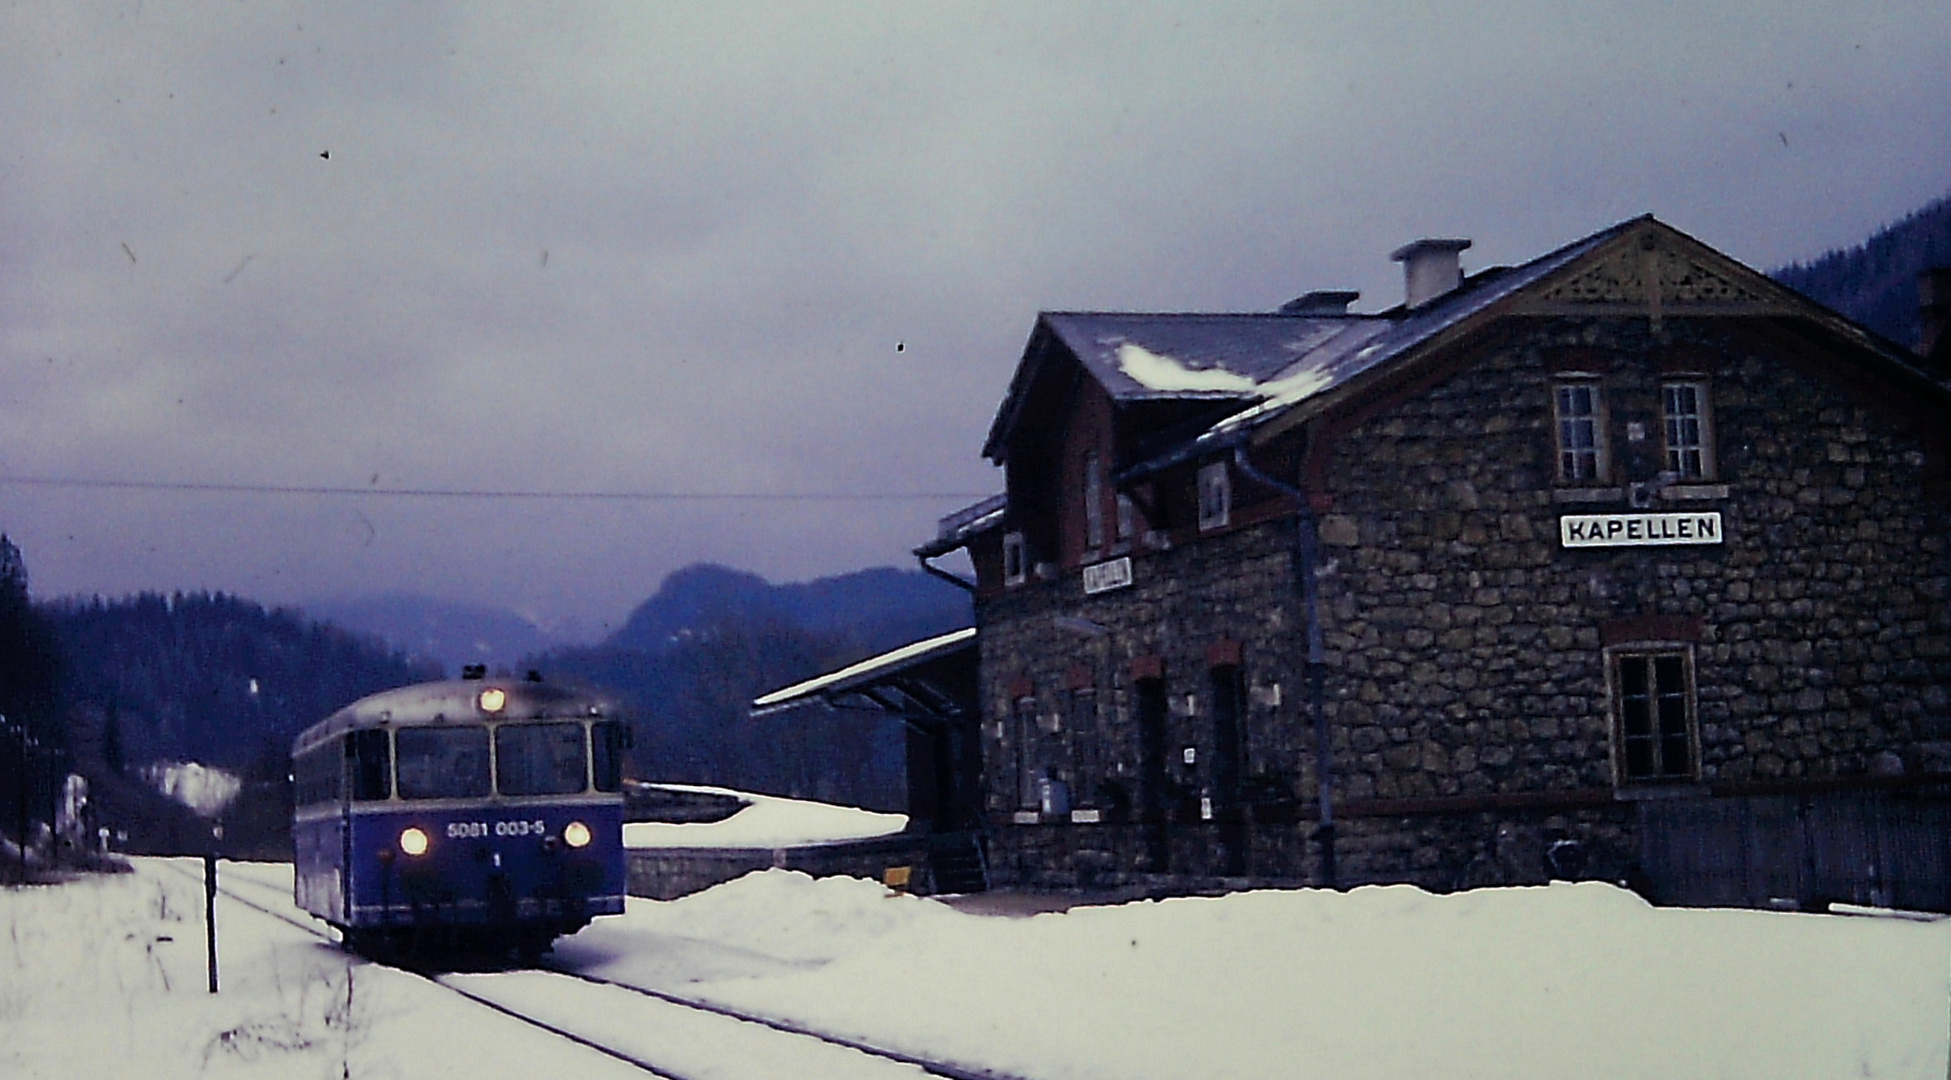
(550, 865)
(461, 813)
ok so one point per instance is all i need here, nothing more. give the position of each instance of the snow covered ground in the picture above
(105, 977)
(1567, 980)
(765, 821)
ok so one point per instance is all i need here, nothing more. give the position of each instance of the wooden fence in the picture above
(1878, 848)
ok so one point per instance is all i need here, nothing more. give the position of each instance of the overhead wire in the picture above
(487, 493)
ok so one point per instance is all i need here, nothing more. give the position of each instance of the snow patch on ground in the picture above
(1378, 982)
(199, 787)
(104, 977)
(765, 821)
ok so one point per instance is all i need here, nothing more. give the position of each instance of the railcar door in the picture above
(344, 873)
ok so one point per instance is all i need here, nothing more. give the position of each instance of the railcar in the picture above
(472, 814)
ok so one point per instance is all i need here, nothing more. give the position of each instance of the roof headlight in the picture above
(493, 699)
(575, 834)
(413, 841)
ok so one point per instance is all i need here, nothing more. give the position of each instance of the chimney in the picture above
(1429, 269)
(1933, 307)
(1321, 302)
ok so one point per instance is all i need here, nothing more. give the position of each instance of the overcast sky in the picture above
(759, 248)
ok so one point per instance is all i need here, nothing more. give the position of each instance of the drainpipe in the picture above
(953, 579)
(1307, 556)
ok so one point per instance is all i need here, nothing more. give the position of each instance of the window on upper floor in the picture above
(1215, 496)
(1093, 487)
(1689, 429)
(1016, 559)
(1655, 727)
(1581, 432)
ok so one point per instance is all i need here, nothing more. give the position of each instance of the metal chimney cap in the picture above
(1427, 245)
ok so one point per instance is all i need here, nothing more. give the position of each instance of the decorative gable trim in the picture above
(1655, 271)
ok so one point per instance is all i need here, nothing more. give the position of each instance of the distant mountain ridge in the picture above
(878, 608)
(1875, 282)
(446, 632)
(691, 658)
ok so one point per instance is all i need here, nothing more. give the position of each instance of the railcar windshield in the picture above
(540, 759)
(442, 763)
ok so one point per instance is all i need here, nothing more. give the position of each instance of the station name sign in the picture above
(1107, 575)
(1639, 530)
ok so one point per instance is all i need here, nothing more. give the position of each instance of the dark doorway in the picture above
(1229, 707)
(1152, 796)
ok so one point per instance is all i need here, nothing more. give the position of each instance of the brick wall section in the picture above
(1465, 649)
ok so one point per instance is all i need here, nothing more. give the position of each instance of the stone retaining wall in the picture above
(668, 873)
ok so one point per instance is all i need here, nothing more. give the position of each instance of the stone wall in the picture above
(668, 873)
(1468, 642)
(1468, 704)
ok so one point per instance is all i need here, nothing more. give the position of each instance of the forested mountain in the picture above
(692, 657)
(1875, 282)
(30, 661)
(213, 678)
(870, 610)
(208, 678)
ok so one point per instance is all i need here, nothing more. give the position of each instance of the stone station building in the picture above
(1626, 562)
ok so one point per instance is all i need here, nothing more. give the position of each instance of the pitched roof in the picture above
(1266, 361)
(1276, 367)
(957, 528)
(1175, 357)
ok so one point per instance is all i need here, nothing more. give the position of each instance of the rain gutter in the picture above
(1307, 559)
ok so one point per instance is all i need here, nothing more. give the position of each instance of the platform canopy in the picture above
(932, 680)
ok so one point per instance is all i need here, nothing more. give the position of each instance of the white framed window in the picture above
(1016, 559)
(1655, 723)
(1093, 502)
(1689, 429)
(1215, 496)
(1581, 432)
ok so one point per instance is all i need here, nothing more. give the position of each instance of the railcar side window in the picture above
(607, 742)
(315, 775)
(539, 759)
(443, 763)
(372, 764)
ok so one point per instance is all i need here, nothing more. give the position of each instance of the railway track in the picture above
(615, 1019)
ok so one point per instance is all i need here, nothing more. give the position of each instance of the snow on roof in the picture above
(1155, 372)
(764, 822)
(1371, 343)
(1152, 356)
(872, 667)
(1270, 362)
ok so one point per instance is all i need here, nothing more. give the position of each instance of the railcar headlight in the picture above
(493, 698)
(575, 834)
(413, 841)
